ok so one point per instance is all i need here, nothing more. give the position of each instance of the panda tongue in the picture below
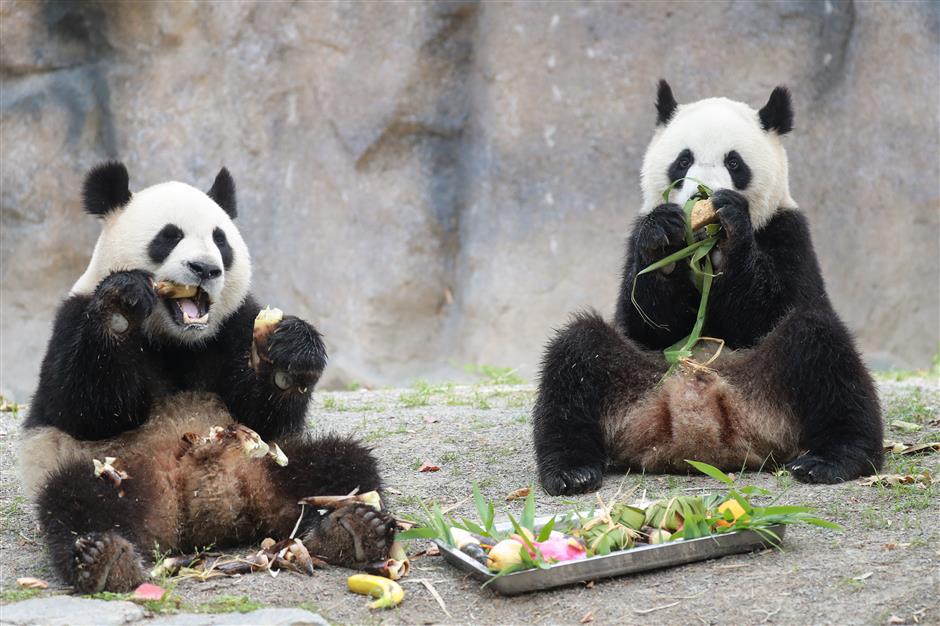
(189, 307)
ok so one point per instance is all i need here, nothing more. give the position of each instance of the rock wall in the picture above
(434, 184)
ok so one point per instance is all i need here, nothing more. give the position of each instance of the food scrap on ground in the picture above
(28, 582)
(148, 591)
(886, 480)
(518, 494)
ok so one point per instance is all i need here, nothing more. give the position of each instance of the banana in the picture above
(387, 593)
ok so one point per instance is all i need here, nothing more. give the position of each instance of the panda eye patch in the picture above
(221, 241)
(680, 166)
(738, 169)
(163, 243)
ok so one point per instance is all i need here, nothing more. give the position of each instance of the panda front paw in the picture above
(735, 217)
(125, 299)
(660, 231)
(296, 355)
(811, 468)
(572, 480)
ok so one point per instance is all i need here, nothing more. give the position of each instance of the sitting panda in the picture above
(146, 379)
(788, 387)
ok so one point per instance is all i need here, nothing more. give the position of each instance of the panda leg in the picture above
(353, 534)
(810, 363)
(90, 528)
(587, 368)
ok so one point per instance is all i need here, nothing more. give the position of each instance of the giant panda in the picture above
(788, 387)
(146, 379)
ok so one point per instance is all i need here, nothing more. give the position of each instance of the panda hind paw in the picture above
(105, 562)
(352, 535)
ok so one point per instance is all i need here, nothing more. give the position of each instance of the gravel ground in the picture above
(883, 568)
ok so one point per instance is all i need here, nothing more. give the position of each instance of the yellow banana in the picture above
(387, 593)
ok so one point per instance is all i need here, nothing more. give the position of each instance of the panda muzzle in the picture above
(188, 304)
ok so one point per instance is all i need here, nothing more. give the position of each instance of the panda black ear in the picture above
(106, 188)
(223, 192)
(777, 114)
(665, 103)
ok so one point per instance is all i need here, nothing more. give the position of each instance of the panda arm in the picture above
(295, 349)
(670, 300)
(92, 384)
(764, 277)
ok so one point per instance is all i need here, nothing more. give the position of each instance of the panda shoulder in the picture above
(787, 228)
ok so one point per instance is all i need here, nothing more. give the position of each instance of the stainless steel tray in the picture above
(639, 559)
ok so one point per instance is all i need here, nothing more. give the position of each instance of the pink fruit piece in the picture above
(148, 591)
(562, 549)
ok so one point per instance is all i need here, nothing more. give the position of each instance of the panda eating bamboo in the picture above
(788, 387)
(158, 390)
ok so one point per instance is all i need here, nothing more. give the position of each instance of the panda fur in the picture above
(130, 375)
(789, 386)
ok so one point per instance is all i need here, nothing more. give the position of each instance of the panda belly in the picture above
(198, 494)
(706, 414)
(44, 449)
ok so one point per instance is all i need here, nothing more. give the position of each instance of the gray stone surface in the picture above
(268, 617)
(435, 184)
(69, 611)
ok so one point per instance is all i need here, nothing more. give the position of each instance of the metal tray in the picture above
(639, 559)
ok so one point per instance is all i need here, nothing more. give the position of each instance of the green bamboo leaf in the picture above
(528, 511)
(518, 567)
(546, 531)
(479, 503)
(672, 258)
(522, 535)
(815, 521)
(418, 533)
(711, 470)
(474, 528)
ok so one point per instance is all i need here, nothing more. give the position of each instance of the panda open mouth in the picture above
(188, 306)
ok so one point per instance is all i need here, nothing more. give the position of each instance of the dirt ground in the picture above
(881, 569)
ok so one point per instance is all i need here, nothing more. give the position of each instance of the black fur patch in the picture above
(223, 192)
(777, 114)
(680, 166)
(221, 242)
(106, 188)
(739, 170)
(163, 243)
(665, 103)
